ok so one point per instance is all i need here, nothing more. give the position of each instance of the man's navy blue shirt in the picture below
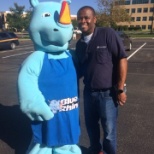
(98, 60)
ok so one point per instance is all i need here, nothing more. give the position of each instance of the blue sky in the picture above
(75, 5)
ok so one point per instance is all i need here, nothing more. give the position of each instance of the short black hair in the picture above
(87, 7)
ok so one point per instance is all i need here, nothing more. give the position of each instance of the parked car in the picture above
(8, 40)
(126, 40)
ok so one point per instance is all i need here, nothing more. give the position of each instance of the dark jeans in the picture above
(101, 106)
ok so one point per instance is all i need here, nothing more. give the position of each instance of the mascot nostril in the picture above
(55, 30)
(47, 82)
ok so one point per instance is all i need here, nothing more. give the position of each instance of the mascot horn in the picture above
(47, 81)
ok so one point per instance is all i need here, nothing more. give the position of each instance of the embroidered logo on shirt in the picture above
(101, 47)
(63, 105)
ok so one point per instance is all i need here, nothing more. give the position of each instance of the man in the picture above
(102, 61)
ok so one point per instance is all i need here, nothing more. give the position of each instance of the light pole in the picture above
(152, 19)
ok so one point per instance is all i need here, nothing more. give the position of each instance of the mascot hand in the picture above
(38, 112)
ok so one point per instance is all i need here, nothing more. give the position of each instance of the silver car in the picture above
(126, 40)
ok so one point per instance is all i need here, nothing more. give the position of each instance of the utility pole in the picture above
(152, 19)
(1, 22)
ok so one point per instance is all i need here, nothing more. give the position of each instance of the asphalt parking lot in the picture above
(136, 117)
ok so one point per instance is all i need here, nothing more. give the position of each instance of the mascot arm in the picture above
(32, 102)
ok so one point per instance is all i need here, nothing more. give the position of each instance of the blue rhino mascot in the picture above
(47, 81)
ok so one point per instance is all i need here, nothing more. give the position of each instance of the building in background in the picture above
(142, 13)
(73, 17)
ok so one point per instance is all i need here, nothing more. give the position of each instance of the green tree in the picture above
(17, 19)
(27, 19)
(111, 12)
(74, 23)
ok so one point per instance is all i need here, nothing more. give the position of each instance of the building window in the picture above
(149, 26)
(138, 27)
(134, 2)
(119, 2)
(127, 10)
(151, 9)
(140, 1)
(143, 26)
(139, 10)
(145, 1)
(144, 19)
(132, 18)
(150, 18)
(145, 10)
(127, 2)
(133, 10)
(138, 18)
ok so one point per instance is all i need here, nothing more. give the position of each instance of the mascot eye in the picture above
(46, 15)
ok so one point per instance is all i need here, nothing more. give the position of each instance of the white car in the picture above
(77, 31)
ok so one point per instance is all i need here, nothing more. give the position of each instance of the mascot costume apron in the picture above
(47, 81)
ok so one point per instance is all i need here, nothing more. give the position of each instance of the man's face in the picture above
(86, 21)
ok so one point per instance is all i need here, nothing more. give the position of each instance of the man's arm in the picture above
(122, 73)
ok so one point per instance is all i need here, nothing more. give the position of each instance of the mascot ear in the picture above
(34, 2)
(65, 16)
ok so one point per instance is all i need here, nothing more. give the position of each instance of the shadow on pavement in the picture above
(15, 128)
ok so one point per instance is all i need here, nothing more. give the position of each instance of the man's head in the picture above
(86, 18)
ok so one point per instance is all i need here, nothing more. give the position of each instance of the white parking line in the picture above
(17, 49)
(5, 51)
(28, 46)
(136, 51)
(19, 54)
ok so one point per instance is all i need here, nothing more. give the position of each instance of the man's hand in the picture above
(121, 98)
